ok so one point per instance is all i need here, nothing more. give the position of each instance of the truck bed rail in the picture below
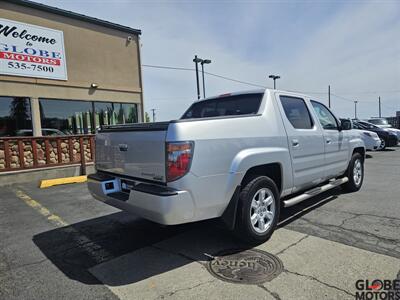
(157, 126)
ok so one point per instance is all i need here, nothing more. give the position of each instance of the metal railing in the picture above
(21, 153)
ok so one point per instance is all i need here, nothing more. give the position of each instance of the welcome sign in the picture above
(31, 51)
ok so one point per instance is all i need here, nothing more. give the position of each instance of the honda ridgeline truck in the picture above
(239, 157)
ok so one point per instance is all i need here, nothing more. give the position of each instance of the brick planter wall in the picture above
(18, 153)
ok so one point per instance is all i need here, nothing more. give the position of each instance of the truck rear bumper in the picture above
(159, 204)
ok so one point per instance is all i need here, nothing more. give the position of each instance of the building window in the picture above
(15, 116)
(59, 117)
(111, 113)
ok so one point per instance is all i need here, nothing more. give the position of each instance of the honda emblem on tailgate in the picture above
(123, 147)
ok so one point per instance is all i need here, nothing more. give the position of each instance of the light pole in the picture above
(204, 61)
(274, 77)
(154, 114)
(329, 96)
(196, 60)
(380, 110)
(355, 109)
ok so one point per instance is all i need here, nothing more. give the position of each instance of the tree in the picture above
(20, 114)
(146, 117)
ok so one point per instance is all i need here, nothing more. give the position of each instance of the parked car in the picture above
(371, 139)
(237, 157)
(383, 123)
(388, 139)
(380, 122)
(45, 132)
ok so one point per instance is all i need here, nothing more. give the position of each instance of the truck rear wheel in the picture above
(258, 210)
(355, 173)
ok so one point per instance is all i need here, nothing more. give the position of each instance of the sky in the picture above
(353, 46)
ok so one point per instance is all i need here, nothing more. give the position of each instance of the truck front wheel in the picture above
(258, 210)
(355, 173)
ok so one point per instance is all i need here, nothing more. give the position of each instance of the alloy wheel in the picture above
(262, 210)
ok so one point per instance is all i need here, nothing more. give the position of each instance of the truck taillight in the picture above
(179, 158)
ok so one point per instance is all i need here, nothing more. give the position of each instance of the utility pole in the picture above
(154, 114)
(355, 109)
(196, 62)
(380, 111)
(329, 96)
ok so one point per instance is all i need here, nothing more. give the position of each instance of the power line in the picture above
(208, 73)
(263, 86)
(371, 92)
(236, 80)
(168, 67)
(343, 98)
(350, 100)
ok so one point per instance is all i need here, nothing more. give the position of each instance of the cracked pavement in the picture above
(368, 219)
(325, 244)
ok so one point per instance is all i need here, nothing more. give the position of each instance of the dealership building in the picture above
(63, 73)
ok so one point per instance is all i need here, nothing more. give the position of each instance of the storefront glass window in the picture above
(130, 112)
(65, 116)
(76, 117)
(108, 113)
(15, 116)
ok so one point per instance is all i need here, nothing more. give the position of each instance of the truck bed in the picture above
(134, 150)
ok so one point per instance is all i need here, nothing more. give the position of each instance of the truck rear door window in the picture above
(297, 112)
(225, 106)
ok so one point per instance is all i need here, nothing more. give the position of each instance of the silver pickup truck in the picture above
(239, 157)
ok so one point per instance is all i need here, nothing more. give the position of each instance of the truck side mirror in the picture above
(345, 125)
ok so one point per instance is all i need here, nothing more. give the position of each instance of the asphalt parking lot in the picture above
(59, 243)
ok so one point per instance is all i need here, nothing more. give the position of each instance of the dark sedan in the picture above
(388, 139)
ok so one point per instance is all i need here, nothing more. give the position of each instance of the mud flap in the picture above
(230, 213)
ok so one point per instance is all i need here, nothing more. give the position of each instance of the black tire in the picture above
(352, 185)
(382, 145)
(244, 229)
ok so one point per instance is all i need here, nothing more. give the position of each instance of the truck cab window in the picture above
(234, 105)
(297, 112)
(326, 118)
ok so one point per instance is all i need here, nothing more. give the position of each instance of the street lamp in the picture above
(355, 109)
(197, 60)
(274, 77)
(204, 61)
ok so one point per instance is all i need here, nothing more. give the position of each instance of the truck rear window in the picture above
(225, 106)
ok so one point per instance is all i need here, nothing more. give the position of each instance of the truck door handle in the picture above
(295, 143)
(328, 141)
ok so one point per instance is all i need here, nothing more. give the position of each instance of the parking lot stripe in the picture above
(56, 220)
(96, 252)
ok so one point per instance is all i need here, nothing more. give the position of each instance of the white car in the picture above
(371, 139)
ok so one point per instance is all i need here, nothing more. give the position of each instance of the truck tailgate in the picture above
(136, 150)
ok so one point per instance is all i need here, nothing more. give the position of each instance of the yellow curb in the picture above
(51, 182)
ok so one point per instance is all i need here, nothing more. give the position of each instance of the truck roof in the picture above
(253, 91)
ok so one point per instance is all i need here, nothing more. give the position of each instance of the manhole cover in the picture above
(248, 266)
